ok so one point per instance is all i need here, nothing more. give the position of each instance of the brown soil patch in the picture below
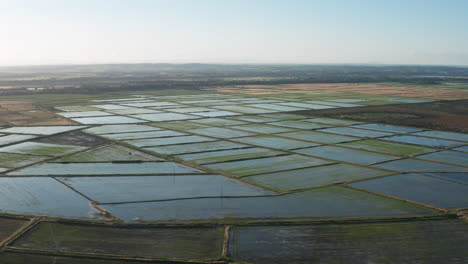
(8, 226)
(430, 93)
(18, 113)
(443, 115)
(74, 138)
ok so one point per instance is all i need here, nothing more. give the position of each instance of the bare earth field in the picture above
(28, 113)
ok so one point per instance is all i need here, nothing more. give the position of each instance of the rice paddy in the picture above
(182, 178)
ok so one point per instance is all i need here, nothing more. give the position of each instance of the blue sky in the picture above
(234, 31)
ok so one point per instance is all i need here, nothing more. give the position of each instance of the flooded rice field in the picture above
(212, 177)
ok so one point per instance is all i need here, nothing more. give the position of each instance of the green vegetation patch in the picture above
(388, 147)
(310, 177)
(319, 137)
(10, 160)
(180, 125)
(109, 153)
(176, 242)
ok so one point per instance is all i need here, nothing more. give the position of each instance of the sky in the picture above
(42, 32)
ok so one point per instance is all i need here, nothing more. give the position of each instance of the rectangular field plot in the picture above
(110, 107)
(188, 110)
(421, 189)
(60, 169)
(40, 130)
(103, 120)
(219, 122)
(159, 117)
(418, 165)
(323, 203)
(278, 107)
(299, 124)
(133, 111)
(220, 132)
(275, 142)
(43, 196)
(41, 149)
(444, 135)
(151, 188)
(453, 157)
(229, 155)
(146, 134)
(109, 153)
(332, 122)
(151, 104)
(461, 177)
(10, 160)
(349, 131)
(325, 138)
(264, 128)
(9, 139)
(180, 125)
(435, 241)
(110, 129)
(152, 142)
(345, 154)
(83, 114)
(245, 109)
(173, 242)
(197, 147)
(388, 128)
(219, 113)
(254, 119)
(266, 165)
(388, 147)
(424, 141)
(311, 177)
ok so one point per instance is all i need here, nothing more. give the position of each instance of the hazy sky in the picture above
(234, 31)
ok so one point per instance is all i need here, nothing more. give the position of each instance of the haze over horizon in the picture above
(46, 32)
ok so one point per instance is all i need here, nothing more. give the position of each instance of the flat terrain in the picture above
(442, 115)
(293, 174)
